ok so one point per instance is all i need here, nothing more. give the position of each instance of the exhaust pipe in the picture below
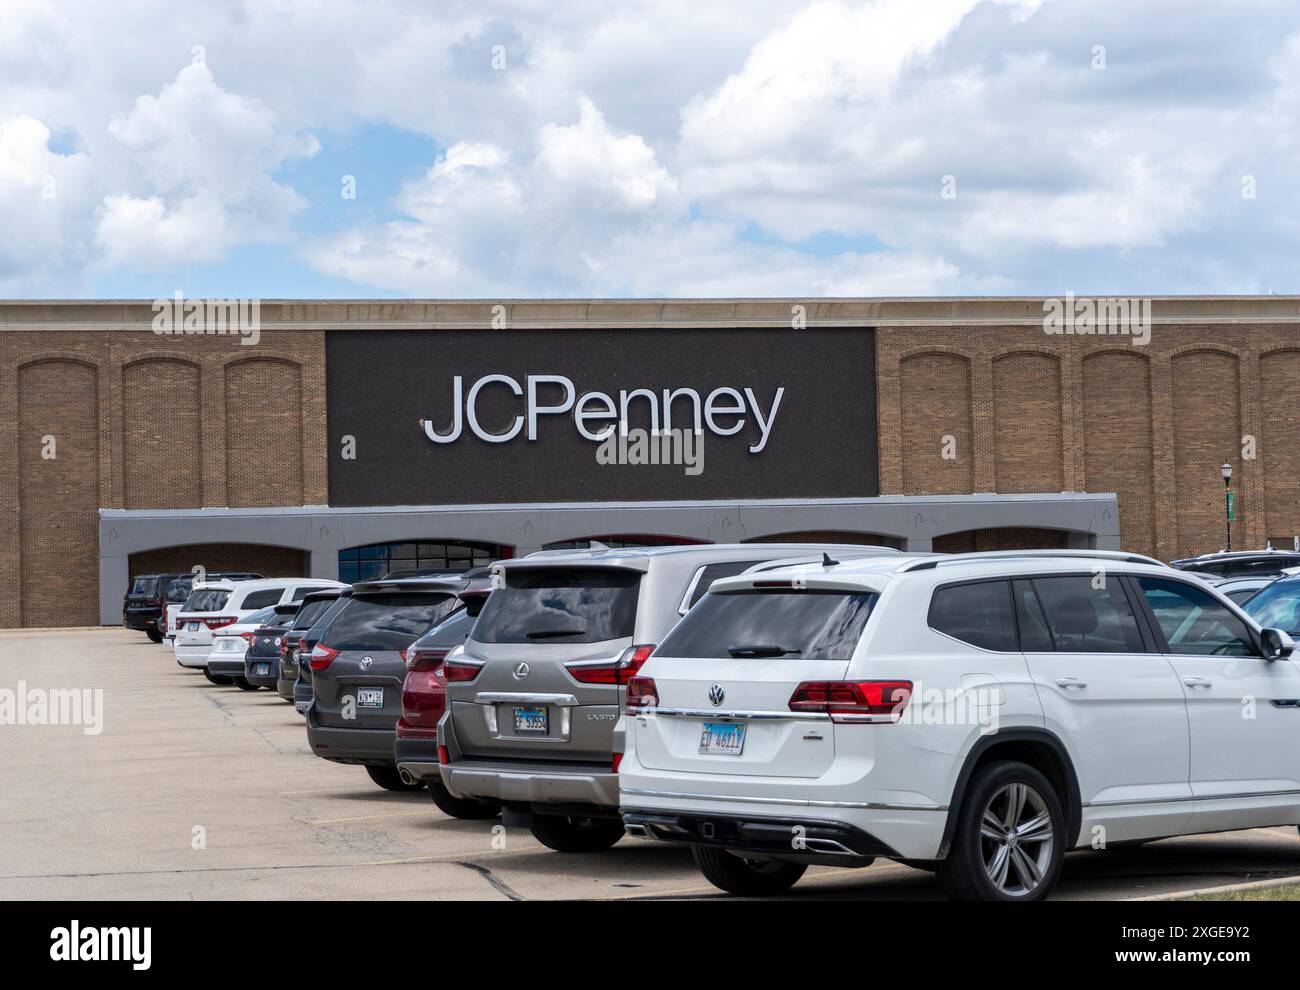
(406, 776)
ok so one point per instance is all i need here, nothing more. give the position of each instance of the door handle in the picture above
(1197, 681)
(1070, 682)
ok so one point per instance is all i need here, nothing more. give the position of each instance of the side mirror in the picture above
(1278, 645)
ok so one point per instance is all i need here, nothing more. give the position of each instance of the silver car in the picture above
(533, 698)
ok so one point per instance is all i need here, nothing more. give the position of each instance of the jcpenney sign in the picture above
(724, 411)
(464, 417)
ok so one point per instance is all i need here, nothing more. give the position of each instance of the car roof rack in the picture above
(1119, 556)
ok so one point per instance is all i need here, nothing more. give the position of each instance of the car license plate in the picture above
(370, 697)
(532, 721)
(263, 670)
(725, 738)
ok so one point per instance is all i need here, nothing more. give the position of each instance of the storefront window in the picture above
(378, 559)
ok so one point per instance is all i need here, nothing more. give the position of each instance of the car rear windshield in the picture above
(1277, 605)
(317, 629)
(179, 590)
(561, 605)
(144, 587)
(310, 612)
(794, 625)
(206, 600)
(262, 617)
(387, 621)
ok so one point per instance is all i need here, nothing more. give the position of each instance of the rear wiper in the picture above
(551, 633)
(759, 650)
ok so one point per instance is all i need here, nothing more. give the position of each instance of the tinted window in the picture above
(1277, 605)
(451, 631)
(387, 621)
(300, 593)
(145, 587)
(317, 629)
(1216, 569)
(179, 590)
(1034, 634)
(712, 572)
(1085, 619)
(578, 605)
(979, 614)
(265, 616)
(309, 613)
(1194, 621)
(794, 625)
(207, 600)
(1241, 594)
(261, 599)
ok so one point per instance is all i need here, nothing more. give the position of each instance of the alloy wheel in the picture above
(1017, 839)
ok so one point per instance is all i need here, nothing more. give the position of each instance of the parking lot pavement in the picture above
(197, 791)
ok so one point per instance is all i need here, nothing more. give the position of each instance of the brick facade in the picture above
(972, 396)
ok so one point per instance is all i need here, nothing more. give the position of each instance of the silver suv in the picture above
(534, 696)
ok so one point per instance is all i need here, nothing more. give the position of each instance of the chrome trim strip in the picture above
(1191, 797)
(796, 802)
(523, 698)
(731, 715)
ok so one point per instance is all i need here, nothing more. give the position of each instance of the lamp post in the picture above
(1227, 499)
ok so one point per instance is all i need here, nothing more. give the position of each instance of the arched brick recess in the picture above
(264, 461)
(1278, 448)
(58, 397)
(1204, 436)
(1005, 538)
(1027, 399)
(1116, 435)
(162, 434)
(217, 557)
(935, 398)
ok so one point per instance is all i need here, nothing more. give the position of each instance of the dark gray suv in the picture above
(358, 666)
(533, 698)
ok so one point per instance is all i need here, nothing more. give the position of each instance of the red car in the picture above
(424, 700)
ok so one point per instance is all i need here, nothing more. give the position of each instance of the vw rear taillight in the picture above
(618, 671)
(641, 694)
(220, 621)
(853, 701)
(322, 657)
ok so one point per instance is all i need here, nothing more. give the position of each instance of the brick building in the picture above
(940, 424)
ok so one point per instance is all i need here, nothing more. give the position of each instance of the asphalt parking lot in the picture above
(197, 791)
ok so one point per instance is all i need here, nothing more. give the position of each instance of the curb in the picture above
(1179, 895)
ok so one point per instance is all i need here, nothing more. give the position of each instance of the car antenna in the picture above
(596, 545)
(826, 560)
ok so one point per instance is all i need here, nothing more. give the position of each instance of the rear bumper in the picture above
(418, 757)
(267, 680)
(522, 784)
(303, 695)
(794, 837)
(140, 621)
(358, 747)
(193, 656)
(226, 666)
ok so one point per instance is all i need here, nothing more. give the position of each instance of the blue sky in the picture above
(655, 148)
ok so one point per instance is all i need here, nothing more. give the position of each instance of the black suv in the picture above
(142, 605)
(1240, 563)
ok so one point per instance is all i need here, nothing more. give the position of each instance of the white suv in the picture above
(214, 605)
(977, 715)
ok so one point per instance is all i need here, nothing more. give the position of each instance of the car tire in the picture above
(154, 635)
(1009, 841)
(746, 877)
(388, 779)
(216, 678)
(574, 834)
(244, 685)
(467, 809)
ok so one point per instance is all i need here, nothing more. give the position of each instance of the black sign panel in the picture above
(463, 416)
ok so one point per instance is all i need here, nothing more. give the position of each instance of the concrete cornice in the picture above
(556, 314)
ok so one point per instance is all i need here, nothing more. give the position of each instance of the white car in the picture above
(213, 605)
(230, 643)
(978, 715)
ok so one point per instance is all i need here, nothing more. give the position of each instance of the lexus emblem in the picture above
(717, 695)
(520, 671)
(366, 662)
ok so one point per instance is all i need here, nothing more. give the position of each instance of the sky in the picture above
(659, 148)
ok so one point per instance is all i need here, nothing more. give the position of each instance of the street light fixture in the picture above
(1227, 499)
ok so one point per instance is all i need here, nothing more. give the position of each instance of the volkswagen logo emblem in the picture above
(520, 671)
(366, 662)
(717, 695)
